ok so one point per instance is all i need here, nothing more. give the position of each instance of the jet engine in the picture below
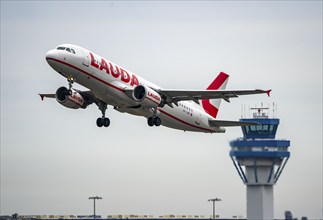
(70, 98)
(147, 96)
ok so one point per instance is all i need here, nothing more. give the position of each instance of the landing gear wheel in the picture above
(100, 122)
(151, 121)
(154, 121)
(157, 121)
(103, 121)
(106, 122)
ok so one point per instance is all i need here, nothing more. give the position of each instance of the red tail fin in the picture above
(212, 106)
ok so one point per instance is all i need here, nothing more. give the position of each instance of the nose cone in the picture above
(52, 58)
(51, 55)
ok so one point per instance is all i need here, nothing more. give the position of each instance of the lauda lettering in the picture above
(115, 71)
(156, 97)
(76, 99)
(93, 63)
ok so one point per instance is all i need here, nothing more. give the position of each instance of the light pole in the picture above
(94, 198)
(214, 200)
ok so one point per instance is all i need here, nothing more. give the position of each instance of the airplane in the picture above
(110, 84)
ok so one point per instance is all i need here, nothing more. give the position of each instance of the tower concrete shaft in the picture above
(260, 202)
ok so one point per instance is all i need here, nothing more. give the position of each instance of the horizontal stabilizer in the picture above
(219, 123)
(42, 96)
(87, 95)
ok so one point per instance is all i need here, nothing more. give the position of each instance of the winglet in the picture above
(268, 92)
(41, 96)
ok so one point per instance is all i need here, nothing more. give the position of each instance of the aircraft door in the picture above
(86, 58)
(198, 118)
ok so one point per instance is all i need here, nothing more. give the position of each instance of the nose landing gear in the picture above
(70, 81)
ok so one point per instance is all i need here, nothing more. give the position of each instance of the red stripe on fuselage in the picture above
(78, 69)
(112, 86)
(184, 122)
(152, 100)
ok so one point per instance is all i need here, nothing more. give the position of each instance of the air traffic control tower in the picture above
(259, 159)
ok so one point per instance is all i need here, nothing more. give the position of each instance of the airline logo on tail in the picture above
(211, 106)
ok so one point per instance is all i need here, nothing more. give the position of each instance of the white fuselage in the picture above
(108, 82)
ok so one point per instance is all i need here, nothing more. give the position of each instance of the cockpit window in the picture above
(67, 49)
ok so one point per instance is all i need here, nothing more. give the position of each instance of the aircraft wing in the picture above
(220, 123)
(174, 96)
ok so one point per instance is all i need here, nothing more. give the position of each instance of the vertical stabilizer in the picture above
(211, 106)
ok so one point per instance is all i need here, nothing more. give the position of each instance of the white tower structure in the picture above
(259, 159)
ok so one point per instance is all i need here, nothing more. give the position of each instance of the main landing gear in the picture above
(100, 122)
(103, 121)
(155, 120)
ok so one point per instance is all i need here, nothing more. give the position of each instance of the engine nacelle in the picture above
(69, 98)
(147, 96)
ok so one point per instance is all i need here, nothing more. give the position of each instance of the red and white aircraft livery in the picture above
(110, 84)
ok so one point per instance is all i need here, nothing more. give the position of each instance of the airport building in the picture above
(115, 217)
(288, 216)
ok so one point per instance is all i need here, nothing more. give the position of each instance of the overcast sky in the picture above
(53, 158)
